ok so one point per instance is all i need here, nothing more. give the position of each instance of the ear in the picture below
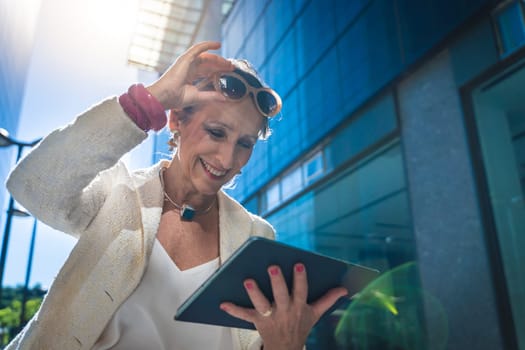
(174, 119)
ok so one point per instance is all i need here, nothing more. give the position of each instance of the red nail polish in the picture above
(274, 271)
(299, 268)
(248, 285)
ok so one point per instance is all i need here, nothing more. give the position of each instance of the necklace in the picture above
(186, 211)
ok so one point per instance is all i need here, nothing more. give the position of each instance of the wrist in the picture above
(143, 108)
(156, 94)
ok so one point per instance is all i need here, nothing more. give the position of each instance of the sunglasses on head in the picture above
(235, 87)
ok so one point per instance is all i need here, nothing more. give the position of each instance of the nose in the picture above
(226, 155)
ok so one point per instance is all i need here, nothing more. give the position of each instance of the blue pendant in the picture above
(187, 213)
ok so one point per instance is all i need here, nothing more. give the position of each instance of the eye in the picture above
(248, 144)
(216, 133)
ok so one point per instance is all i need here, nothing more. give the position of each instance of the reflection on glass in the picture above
(500, 118)
(362, 215)
(386, 315)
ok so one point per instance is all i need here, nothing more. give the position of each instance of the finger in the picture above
(191, 55)
(201, 47)
(281, 295)
(210, 63)
(300, 284)
(193, 96)
(259, 301)
(321, 305)
(246, 314)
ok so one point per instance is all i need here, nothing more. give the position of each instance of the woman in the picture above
(148, 238)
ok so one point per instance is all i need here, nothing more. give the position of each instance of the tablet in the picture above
(251, 260)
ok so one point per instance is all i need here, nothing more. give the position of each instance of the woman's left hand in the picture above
(175, 88)
(286, 323)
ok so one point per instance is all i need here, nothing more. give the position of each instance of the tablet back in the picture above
(251, 260)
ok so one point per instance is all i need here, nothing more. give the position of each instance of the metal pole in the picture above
(28, 274)
(5, 240)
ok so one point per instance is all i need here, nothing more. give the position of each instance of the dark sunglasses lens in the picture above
(232, 87)
(267, 103)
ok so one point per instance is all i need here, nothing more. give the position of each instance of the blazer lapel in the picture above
(235, 225)
(151, 197)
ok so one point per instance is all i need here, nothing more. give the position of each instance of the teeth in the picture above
(213, 171)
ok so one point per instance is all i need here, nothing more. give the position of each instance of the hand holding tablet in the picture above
(251, 261)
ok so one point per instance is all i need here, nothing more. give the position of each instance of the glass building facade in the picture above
(399, 147)
(17, 24)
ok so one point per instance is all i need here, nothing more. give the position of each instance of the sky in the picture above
(79, 58)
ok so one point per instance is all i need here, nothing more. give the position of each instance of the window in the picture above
(510, 26)
(293, 181)
(362, 215)
(272, 196)
(313, 167)
(500, 120)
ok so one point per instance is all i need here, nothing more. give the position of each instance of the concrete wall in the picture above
(452, 256)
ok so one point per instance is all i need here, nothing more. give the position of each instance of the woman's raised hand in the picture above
(287, 323)
(174, 89)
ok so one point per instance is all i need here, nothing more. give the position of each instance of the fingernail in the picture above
(248, 285)
(299, 267)
(223, 307)
(274, 271)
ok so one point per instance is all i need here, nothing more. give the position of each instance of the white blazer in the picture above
(74, 182)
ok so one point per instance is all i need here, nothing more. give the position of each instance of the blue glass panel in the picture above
(253, 11)
(473, 52)
(299, 5)
(233, 31)
(282, 65)
(252, 205)
(279, 16)
(349, 209)
(353, 65)
(311, 100)
(324, 98)
(424, 23)
(315, 33)
(368, 128)
(313, 168)
(255, 172)
(254, 42)
(296, 125)
(419, 27)
(288, 137)
(511, 27)
(347, 11)
(292, 183)
(369, 55)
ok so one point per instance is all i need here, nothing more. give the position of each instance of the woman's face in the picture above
(216, 142)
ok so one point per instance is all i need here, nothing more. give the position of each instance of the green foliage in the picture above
(12, 307)
(388, 314)
(15, 293)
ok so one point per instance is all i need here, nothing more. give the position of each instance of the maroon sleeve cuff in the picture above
(143, 108)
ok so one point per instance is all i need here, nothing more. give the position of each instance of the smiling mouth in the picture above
(212, 170)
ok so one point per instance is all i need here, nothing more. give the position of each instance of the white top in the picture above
(145, 319)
